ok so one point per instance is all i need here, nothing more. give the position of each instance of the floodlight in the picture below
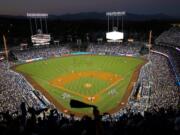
(37, 15)
(114, 35)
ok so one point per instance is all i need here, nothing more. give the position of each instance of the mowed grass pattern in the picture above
(46, 70)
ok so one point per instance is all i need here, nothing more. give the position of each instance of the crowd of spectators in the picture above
(114, 49)
(164, 91)
(153, 111)
(170, 37)
(174, 56)
(155, 88)
(44, 52)
(14, 89)
(110, 49)
(45, 122)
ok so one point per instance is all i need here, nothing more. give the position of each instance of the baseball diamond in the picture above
(88, 78)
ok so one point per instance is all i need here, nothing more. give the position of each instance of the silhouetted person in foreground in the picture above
(97, 119)
(98, 130)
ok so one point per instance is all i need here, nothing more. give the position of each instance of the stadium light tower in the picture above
(39, 36)
(115, 35)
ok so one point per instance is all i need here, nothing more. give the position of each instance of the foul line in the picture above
(106, 89)
(83, 96)
(69, 91)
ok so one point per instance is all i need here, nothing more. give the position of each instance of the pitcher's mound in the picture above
(87, 85)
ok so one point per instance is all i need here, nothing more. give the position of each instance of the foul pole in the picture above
(149, 43)
(150, 66)
(6, 51)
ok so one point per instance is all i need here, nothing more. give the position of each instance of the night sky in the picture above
(21, 7)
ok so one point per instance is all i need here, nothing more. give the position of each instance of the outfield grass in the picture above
(43, 72)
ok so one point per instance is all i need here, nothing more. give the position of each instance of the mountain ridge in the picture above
(101, 16)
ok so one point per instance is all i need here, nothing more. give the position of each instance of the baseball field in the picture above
(104, 81)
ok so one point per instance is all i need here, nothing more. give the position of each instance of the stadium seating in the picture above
(155, 112)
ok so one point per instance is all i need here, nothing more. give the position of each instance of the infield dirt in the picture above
(111, 78)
